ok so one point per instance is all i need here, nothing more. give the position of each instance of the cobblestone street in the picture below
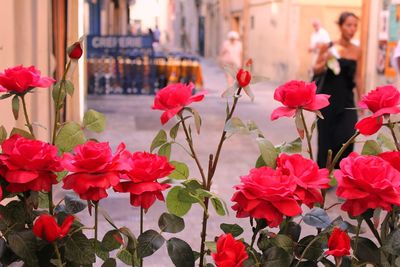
(131, 120)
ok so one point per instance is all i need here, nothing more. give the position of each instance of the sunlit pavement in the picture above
(131, 120)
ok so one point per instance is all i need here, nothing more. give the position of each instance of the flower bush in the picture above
(282, 193)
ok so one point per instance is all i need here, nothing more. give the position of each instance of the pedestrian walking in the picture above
(231, 54)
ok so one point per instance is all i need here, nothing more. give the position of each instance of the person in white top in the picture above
(231, 54)
(320, 35)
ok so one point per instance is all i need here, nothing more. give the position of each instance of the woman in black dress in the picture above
(340, 116)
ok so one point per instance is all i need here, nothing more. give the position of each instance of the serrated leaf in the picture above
(94, 121)
(111, 240)
(268, 152)
(23, 244)
(79, 249)
(73, 203)
(149, 242)
(317, 217)
(218, 206)
(260, 162)
(174, 204)
(159, 140)
(171, 223)
(181, 171)
(125, 256)
(313, 252)
(367, 251)
(233, 229)
(292, 147)
(58, 93)
(22, 133)
(386, 141)
(180, 252)
(69, 136)
(165, 150)
(3, 134)
(173, 133)
(15, 106)
(371, 147)
(235, 125)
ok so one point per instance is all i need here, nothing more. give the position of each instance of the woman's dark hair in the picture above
(344, 15)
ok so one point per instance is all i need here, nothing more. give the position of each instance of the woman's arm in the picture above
(320, 64)
(358, 79)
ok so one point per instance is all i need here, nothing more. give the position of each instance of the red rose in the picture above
(243, 78)
(46, 227)
(298, 94)
(367, 182)
(230, 252)
(266, 194)
(308, 177)
(338, 243)
(174, 98)
(381, 101)
(20, 79)
(393, 157)
(29, 164)
(95, 169)
(142, 194)
(75, 51)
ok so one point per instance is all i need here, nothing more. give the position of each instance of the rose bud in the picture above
(75, 51)
(243, 78)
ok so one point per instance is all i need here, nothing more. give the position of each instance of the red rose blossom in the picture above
(266, 194)
(393, 157)
(174, 98)
(298, 94)
(308, 177)
(145, 169)
(75, 51)
(230, 252)
(20, 79)
(381, 101)
(46, 227)
(95, 169)
(338, 243)
(367, 182)
(243, 77)
(28, 164)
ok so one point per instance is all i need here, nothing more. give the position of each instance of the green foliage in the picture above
(180, 252)
(111, 262)
(73, 203)
(218, 206)
(94, 121)
(159, 140)
(171, 223)
(268, 152)
(165, 150)
(23, 244)
(69, 136)
(15, 106)
(22, 133)
(367, 251)
(175, 204)
(313, 252)
(111, 240)
(317, 217)
(79, 249)
(3, 134)
(149, 242)
(293, 147)
(181, 171)
(371, 147)
(276, 257)
(233, 229)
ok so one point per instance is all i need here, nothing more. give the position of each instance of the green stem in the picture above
(359, 221)
(59, 263)
(340, 152)
(96, 220)
(50, 197)
(308, 136)
(306, 249)
(28, 123)
(141, 232)
(373, 230)
(391, 127)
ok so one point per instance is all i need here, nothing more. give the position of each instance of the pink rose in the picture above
(19, 79)
(308, 177)
(230, 252)
(173, 98)
(298, 94)
(381, 101)
(266, 194)
(29, 164)
(367, 182)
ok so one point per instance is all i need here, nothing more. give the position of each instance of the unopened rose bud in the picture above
(243, 78)
(75, 51)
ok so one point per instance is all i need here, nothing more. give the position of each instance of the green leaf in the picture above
(149, 242)
(3, 134)
(165, 150)
(15, 106)
(211, 245)
(276, 257)
(218, 206)
(79, 249)
(111, 262)
(69, 87)
(268, 151)
(197, 119)
(367, 251)
(58, 93)
(181, 171)
(43, 200)
(386, 141)
(69, 136)
(233, 229)
(235, 125)
(125, 256)
(159, 140)
(174, 204)
(180, 252)
(94, 121)
(174, 130)
(73, 203)
(22, 133)
(317, 217)
(111, 240)
(171, 223)
(23, 244)
(192, 184)
(371, 147)
(100, 251)
(292, 230)
(283, 241)
(292, 147)
(299, 123)
(132, 241)
(392, 243)
(61, 175)
(5, 96)
(313, 252)
(260, 162)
